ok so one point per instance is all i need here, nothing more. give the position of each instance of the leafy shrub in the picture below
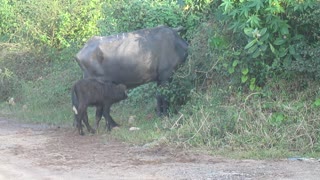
(9, 84)
(55, 24)
(143, 93)
(7, 19)
(130, 15)
(272, 35)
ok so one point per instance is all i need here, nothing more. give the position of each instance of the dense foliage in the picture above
(279, 37)
(250, 82)
(56, 24)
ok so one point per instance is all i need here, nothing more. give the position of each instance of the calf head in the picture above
(120, 92)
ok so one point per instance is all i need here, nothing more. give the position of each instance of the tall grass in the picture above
(275, 126)
(281, 120)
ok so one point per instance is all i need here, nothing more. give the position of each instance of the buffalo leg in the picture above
(162, 102)
(162, 105)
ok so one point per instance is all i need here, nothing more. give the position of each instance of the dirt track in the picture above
(41, 152)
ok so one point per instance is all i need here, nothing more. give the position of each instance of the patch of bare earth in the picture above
(41, 152)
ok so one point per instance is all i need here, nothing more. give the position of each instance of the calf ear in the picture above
(122, 87)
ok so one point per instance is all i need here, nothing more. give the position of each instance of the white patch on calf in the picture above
(74, 110)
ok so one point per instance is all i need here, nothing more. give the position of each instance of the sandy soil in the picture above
(29, 151)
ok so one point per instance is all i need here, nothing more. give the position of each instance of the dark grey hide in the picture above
(98, 93)
(135, 58)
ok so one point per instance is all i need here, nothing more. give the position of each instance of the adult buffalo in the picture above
(135, 58)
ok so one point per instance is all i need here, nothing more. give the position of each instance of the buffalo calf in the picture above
(99, 93)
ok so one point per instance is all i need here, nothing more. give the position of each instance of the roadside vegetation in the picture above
(250, 87)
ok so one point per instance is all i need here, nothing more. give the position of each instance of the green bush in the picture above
(271, 36)
(7, 18)
(55, 24)
(125, 15)
(9, 84)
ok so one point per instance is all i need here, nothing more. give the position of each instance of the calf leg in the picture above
(78, 115)
(99, 112)
(83, 116)
(109, 121)
(79, 118)
(86, 122)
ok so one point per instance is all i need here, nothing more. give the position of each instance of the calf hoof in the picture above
(113, 125)
(92, 131)
(109, 128)
(116, 128)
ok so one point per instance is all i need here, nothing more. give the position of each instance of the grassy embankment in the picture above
(280, 121)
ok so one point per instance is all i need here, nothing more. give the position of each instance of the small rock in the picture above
(131, 119)
(159, 142)
(116, 128)
(134, 129)
(24, 107)
(11, 101)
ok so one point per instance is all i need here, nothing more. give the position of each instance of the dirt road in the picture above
(48, 153)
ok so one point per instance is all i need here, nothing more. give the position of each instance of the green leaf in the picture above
(284, 29)
(279, 41)
(245, 71)
(317, 103)
(256, 54)
(264, 37)
(244, 79)
(244, 10)
(273, 50)
(258, 4)
(235, 63)
(248, 31)
(263, 31)
(252, 49)
(254, 21)
(225, 65)
(263, 47)
(231, 70)
(228, 6)
(252, 80)
(237, 53)
(250, 44)
(292, 51)
(252, 86)
(279, 117)
(282, 52)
